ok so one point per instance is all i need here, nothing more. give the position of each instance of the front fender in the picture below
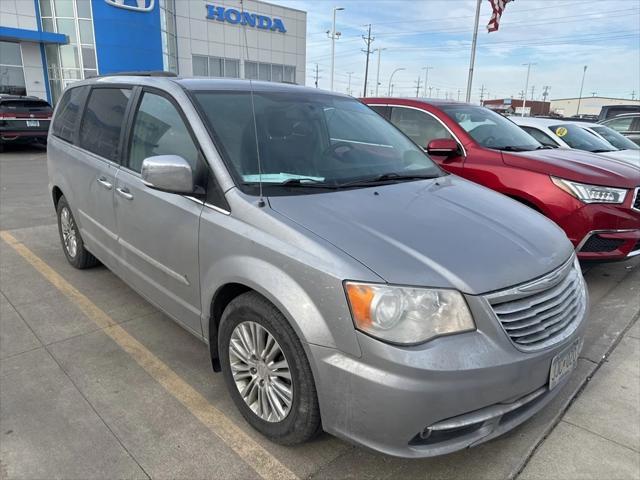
(317, 310)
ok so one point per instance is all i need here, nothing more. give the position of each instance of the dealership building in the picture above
(47, 44)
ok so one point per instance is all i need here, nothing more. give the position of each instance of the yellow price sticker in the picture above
(561, 131)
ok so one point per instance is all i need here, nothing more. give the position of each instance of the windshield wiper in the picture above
(602, 150)
(545, 147)
(385, 177)
(511, 148)
(305, 182)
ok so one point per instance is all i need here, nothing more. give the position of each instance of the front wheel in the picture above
(267, 372)
(72, 243)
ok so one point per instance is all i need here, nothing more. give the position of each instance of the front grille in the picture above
(596, 243)
(636, 200)
(543, 312)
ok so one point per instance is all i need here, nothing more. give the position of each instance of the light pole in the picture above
(426, 78)
(333, 36)
(584, 72)
(378, 73)
(391, 78)
(349, 87)
(526, 87)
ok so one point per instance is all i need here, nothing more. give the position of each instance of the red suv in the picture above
(594, 199)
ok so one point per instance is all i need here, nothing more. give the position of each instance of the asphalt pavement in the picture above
(96, 383)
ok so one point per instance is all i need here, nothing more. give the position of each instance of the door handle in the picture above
(124, 192)
(105, 183)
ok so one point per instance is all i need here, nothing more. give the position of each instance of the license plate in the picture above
(33, 123)
(563, 363)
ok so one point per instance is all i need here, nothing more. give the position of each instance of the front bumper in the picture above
(469, 387)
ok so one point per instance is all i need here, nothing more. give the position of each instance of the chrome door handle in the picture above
(105, 183)
(124, 192)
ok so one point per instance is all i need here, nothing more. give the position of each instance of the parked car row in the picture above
(343, 280)
(594, 199)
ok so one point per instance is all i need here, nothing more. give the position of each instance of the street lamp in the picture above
(426, 78)
(333, 36)
(584, 72)
(526, 87)
(378, 73)
(391, 78)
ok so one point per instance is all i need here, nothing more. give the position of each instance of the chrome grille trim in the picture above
(543, 312)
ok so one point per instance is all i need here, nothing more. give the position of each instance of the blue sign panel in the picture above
(236, 17)
(128, 35)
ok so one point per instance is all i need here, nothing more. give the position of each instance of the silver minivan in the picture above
(341, 279)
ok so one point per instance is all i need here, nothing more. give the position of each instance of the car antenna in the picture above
(261, 202)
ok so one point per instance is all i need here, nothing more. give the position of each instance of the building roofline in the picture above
(603, 98)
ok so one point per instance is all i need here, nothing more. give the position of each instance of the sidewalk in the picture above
(599, 435)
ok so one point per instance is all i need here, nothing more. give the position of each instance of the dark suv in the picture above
(23, 120)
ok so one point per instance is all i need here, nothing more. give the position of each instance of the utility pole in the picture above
(593, 94)
(458, 94)
(367, 41)
(349, 87)
(317, 77)
(426, 79)
(521, 94)
(333, 36)
(481, 94)
(584, 72)
(418, 87)
(526, 87)
(437, 92)
(430, 88)
(633, 95)
(533, 89)
(473, 51)
(378, 72)
(545, 92)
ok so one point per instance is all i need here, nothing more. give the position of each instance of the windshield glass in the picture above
(581, 139)
(614, 138)
(315, 140)
(490, 129)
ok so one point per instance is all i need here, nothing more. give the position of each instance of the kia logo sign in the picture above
(235, 17)
(135, 5)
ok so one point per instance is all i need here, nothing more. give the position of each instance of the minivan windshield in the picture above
(490, 129)
(581, 139)
(308, 141)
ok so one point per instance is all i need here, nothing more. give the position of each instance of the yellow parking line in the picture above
(265, 464)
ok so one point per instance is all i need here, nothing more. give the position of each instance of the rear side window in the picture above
(68, 112)
(620, 124)
(418, 126)
(542, 137)
(102, 121)
(25, 105)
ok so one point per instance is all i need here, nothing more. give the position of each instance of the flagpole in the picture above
(473, 51)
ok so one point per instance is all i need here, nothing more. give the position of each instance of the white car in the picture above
(591, 137)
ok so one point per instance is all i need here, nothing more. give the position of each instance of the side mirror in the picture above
(443, 147)
(169, 173)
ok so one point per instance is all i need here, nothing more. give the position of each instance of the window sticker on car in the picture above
(561, 131)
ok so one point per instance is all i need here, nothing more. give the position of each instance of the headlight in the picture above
(407, 315)
(591, 193)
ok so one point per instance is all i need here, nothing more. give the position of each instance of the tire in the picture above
(72, 243)
(251, 312)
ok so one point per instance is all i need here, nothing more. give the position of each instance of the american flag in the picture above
(498, 7)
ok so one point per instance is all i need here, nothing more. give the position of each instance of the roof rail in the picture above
(157, 73)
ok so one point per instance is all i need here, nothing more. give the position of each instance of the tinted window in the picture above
(67, 114)
(579, 138)
(158, 129)
(102, 121)
(542, 137)
(620, 124)
(382, 110)
(320, 139)
(418, 126)
(614, 138)
(490, 129)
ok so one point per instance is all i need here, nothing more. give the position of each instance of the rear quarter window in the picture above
(68, 114)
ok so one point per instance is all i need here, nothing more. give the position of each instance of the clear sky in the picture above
(559, 36)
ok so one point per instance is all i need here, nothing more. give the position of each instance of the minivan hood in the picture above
(577, 165)
(446, 232)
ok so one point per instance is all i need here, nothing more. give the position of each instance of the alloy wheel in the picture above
(260, 371)
(69, 235)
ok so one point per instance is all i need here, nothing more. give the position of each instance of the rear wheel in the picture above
(267, 372)
(72, 243)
